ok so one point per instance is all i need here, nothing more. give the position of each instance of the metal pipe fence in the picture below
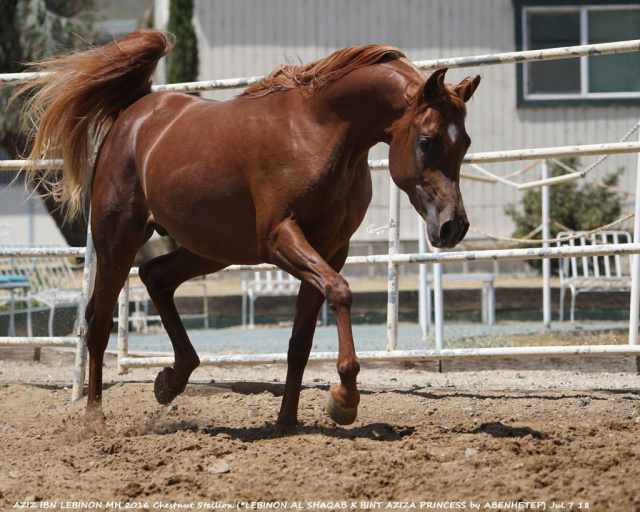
(399, 355)
(512, 155)
(567, 52)
(393, 354)
(392, 260)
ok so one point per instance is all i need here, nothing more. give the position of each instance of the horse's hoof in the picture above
(287, 429)
(164, 393)
(95, 421)
(341, 415)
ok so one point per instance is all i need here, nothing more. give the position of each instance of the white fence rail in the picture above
(393, 354)
(568, 52)
(611, 148)
(392, 260)
(399, 355)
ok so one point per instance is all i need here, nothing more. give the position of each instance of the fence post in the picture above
(392, 285)
(123, 326)
(438, 305)
(423, 285)
(88, 276)
(546, 263)
(634, 308)
(31, 208)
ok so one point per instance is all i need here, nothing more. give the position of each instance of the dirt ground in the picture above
(555, 432)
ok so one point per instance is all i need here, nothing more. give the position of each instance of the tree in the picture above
(33, 29)
(579, 207)
(182, 62)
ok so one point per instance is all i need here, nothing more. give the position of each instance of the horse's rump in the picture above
(77, 101)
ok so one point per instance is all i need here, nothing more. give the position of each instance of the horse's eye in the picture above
(425, 144)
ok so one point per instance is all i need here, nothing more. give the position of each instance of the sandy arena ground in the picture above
(550, 430)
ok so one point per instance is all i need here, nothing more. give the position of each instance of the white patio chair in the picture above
(584, 274)
(269, 284)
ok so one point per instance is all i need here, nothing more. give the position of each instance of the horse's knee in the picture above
(338, 294)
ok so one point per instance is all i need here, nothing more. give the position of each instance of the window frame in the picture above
(585, 98)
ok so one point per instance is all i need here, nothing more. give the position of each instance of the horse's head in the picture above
(426, 152)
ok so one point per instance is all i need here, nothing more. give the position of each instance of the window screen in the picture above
(551, 30)
(614, 73)
(572, 25)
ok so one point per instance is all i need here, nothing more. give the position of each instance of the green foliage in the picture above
(182, 61)
(578, 205)
(33, 29)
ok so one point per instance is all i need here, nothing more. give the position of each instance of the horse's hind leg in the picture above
(116, 243)
(161, 276)
(308, 306)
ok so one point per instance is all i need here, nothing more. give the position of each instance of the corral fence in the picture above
(393, 260)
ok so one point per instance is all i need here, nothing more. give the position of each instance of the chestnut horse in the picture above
(276, 175)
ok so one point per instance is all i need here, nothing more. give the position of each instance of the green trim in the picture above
(520, 103)
(578, 102)
(519, 4)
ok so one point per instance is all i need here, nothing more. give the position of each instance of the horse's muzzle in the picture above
(446, 227)
(448, 233)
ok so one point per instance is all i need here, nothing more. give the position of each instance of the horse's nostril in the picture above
(465, 228)
(446, 231)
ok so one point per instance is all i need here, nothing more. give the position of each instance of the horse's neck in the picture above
(370, 100)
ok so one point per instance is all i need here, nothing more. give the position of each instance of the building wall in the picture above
(251, 37)
(24, 220)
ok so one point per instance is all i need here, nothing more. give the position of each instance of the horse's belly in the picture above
(213, 225)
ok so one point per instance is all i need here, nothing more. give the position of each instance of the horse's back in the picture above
(218, 175)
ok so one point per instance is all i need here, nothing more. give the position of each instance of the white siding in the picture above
(250, 37)
(15, 215)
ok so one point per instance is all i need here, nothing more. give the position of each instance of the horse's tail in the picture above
(75, 102)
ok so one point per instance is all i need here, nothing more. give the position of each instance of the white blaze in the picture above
(453, 132)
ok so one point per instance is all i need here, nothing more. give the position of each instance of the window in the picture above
(608, 79)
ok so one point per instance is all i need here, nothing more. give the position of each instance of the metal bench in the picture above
(50, 281)
(15, 286)
(269, 284)
(139, 318)
(595, 273)
(12, 284)
(54, 284)
(488, 302)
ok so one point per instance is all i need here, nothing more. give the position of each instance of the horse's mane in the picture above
(315, 75)
(454, 99)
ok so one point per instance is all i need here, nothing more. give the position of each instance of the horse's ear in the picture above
(467, 87)
(434, 86)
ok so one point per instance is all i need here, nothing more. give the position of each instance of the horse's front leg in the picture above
(290, 250)
(310, 300)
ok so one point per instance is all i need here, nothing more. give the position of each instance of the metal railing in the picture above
(393, 259)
